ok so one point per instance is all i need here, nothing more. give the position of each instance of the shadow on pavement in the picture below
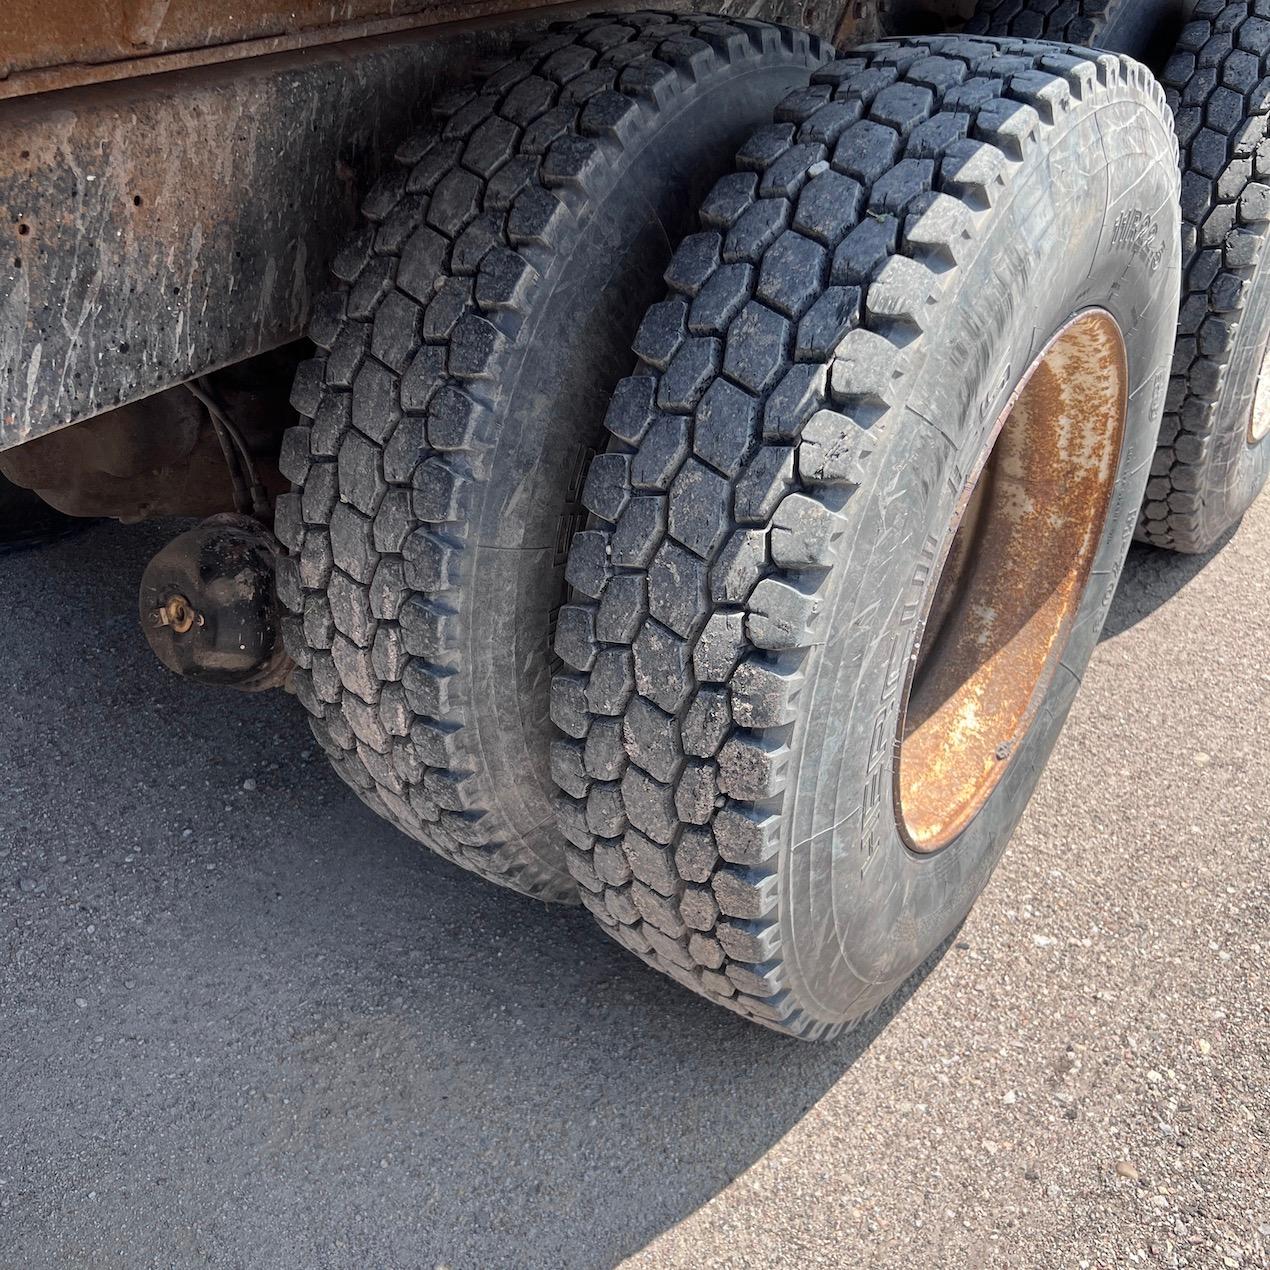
(301, 1033)
(1151, 578)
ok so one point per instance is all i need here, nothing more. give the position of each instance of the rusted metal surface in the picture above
(208, 605)
(43, 33)
(161, 227)
(1015, 570)
(40, 34)
(161, 456)
(74, 42)
(177, 613)
(69, 43)
(860, 21)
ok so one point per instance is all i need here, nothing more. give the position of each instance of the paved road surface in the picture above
(244, 1024)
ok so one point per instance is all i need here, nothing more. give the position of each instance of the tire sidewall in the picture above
(860, 910)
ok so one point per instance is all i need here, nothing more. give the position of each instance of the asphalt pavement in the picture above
(243, 1023)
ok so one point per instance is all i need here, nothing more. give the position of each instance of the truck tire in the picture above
(1142, 28)
(484, 312)
(774, 781)
(1214, 454)
(1081, 22)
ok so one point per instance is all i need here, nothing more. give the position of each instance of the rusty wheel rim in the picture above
(1259, 419)
(1011, 578)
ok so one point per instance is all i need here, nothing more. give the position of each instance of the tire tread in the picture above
(400, 411)
(717, 681)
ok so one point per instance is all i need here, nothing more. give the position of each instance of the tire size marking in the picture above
(1136, 232)
(986, 402)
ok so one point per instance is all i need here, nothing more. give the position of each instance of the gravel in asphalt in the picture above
(243, 1023)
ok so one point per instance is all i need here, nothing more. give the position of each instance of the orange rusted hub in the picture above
(1015, 568)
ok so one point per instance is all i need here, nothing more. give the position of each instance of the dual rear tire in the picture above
(485, 310)
(896, 320)
(836, 713)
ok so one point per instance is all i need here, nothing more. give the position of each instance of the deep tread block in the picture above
(755, 230)
(731, 195)
(720, 299)
(756, 347)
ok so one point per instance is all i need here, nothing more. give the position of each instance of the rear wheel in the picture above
(1214, 454)
(833, 607)
(1144, 29)
(486, 311)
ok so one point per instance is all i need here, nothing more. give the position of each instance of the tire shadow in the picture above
(335, 1040)
(1152, 576)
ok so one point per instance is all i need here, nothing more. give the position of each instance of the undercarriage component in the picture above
(162, 456)
(208, 606)
(182, 219)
